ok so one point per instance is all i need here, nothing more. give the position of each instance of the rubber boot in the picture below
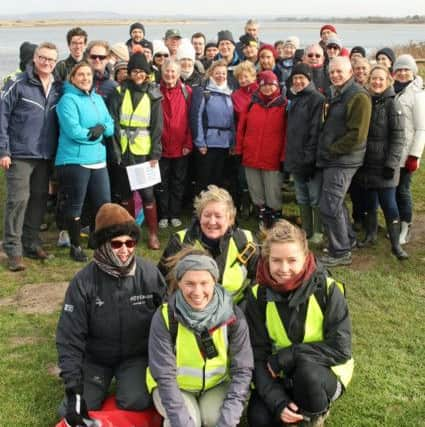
(405, 232)
(306, 213)
(151, 217)
(317, 237)
(261, 215)
(371, 227)
(75, 251)
(394, 228)
(268, 217)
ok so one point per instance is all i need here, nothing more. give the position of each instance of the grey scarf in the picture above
(108, 261)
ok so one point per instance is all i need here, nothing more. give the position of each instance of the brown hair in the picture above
(74, 32)
(214, 65)
(76, 67)
(102, 43)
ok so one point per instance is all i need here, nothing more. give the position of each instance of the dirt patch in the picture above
(42, 298)
(363, 261)
(18, 341)
(53, 370)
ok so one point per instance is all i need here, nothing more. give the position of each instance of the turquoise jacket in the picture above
(77, 112)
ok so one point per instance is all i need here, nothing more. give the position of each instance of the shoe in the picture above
(63, 239)
(330, 261)
(175, 222)
(38, 253)
(15, 263)
(77, 254)
(151, 217)
(163, 223)
(85, 231)
(44, 227)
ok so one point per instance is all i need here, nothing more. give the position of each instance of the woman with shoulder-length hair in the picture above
(200, 357)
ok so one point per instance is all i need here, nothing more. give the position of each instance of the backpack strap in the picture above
(172, 326)
(185, 92)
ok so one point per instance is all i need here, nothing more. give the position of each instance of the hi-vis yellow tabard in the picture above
(194, 372)
(313, 329)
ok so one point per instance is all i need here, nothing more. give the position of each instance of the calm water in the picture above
(367, 35)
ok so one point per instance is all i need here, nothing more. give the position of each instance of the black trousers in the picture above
(311, 387)
(210, 167)
(169, 193)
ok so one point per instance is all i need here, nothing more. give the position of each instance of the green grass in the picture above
(386, 301)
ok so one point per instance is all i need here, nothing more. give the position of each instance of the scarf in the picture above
(265, 279)
(223, 88)
(268, 99)
(218, 310)
(107, 260)
(399, 86)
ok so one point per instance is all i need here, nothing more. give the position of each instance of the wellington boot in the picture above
(371, 227)
(405, 232)
(306, 213)
(394, 232)
(152, 223)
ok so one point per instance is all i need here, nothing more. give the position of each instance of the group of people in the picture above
(231, 114)
(217, 315)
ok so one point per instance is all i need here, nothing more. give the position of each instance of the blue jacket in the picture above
(28, 123)
(78, 111)
(212, 119)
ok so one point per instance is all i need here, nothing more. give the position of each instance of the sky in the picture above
(223, 7)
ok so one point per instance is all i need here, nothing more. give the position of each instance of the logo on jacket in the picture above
(140, 299)
(99, 302)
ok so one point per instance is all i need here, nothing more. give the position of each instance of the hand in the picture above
(95, 132)
(5, 162)
(412, 163)
(153, 163)
(76, 409)
(289, 414)
(203, 150)
(185, 151)
(388, 173)
(271, 372)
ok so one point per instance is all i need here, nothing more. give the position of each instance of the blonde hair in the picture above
(245, 66)
(390, 79)
(218, 195)
(283, 232)
(102, 43)
(214, 65)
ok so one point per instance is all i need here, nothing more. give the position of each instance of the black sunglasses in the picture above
(99, 57)
(314, 55)
(117, 244)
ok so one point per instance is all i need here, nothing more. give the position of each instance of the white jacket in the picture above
(412, 100)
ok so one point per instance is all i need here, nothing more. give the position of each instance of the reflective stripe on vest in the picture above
(313, 330)
(194, 373)
(134, 124)
(234, 276)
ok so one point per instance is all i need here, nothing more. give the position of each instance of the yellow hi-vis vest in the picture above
(194, 373)
(235, 274)
(313, 330)
(134, 125)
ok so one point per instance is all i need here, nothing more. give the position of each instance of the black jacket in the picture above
(384, 144)
(302, 134)
(63, 68)
(106, 319)
(335, 348)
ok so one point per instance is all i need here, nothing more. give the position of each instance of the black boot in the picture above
(371, 227)
(394, 228)
(75, 252)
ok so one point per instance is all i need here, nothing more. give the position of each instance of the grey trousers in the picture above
(265, 187)
(27, 183)
(334, 213)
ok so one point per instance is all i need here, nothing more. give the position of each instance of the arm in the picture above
(156, 124)
(107, 122)
(9, 99)
(240, 131)
(196, 113)
(188, 144)
(359, 110)
(396, 123)
(310, 148)
(418, 144)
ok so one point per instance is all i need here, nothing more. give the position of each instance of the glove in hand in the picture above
(412, 163)
(95, 132)
(76, 409)
(388, 173)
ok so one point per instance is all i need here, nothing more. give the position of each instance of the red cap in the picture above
(270, 48)
(267, 77)
(328, 27)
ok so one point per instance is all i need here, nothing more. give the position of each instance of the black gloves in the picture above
(388, 173)
(95, 132)
(76, 409)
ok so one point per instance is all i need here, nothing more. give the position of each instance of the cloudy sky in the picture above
(224, 7)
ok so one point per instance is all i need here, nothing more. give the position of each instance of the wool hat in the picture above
(172, 33)
(328, 27)
(334, 41)
(270, 48)
(137, 26)
(302, 68)
(225, 35)
(267, 77)
(159, 47)
(210, 44)
(113, 220)
(139, 61)
(120, 50)
(292, 40)
(196, 263)
(248, 40)
(26, 54)
(186, 51)
(358, 49)
(407, 62)
(388, 52)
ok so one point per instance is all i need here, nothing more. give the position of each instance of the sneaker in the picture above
(15, 263)
(85, 231)
(163, 223)
(175, 222)
(330, 261)
(77, 254)
(63, 239)
(37, 253)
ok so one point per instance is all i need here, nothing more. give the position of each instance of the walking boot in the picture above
(317, 237)
(405, 232)
(394, 228)
(15, 263)
(306, 214)
(75, 251)
(152, 223)
(371, 227)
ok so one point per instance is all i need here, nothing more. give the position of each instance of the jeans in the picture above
(404, 196)
(308, 192)
(387, 200)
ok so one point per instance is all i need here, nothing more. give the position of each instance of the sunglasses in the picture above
(332, 46)
(163, 55)
(314, 55)
(117, 244)
(99, 57)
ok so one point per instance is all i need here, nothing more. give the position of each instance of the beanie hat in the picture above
(224, 35)
(270, 48)
(210, 44)
(328, 27)
(334, 41)
(120, 50)
(139, 61)
(388, 52)
(159, 47)
(26, 54)
(147, 44)
(407, 62)
(113, 220)
(267, 77)
(358, 49)
(137, 26)
(119, 65)
(303, 69)
(185, 51)
(293, 40)
(248, 40)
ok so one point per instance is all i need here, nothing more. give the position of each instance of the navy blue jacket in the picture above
(28, 122)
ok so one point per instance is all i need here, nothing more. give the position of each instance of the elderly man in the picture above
(315, 58)
(28, 141)
(173, 40)
(340, 152)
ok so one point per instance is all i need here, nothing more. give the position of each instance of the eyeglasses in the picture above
(48, 60)
(117, 244)
(314, 55)
(99, 57)
(164, 55)
(332, 46)
(137, 72)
